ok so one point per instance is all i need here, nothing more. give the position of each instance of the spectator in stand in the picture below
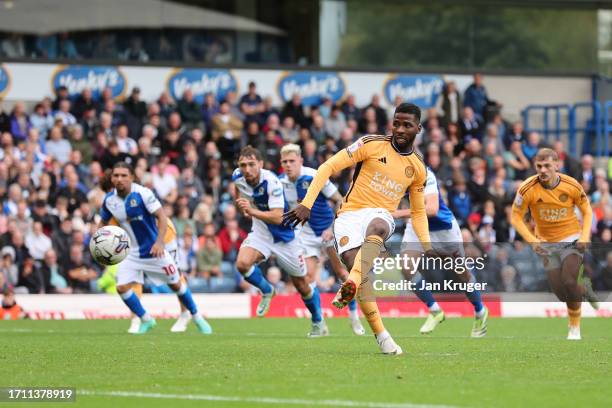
(54, 274)
(61, 94)
(311, 159)
(113, 155)
(20, 122)
(189, 110)
(295, 109)
(251, 104)
(8, 268)
(80, 271)
(209, 256)
(73, 194)
(125, 143)
(289, 131)
(335, 124)
(587, 173)
(350, 109)
(41, 120)
(381, 114)
(135, 110)
(368, 124)
(317, 129)
(31, 279)
(449, 103)
(532, 145)
(476, 97)
(227, 131)
(79, 144)
(64, 114)
(13, 46)
(518, 164)
(231, 237)
(187, 249)
(166, 104)
(210, 108)
(83, 103)
(58, 147)
(164, 179)
(37, 242)
(492, 137)
(569, 165)
(460, 201)
(253, 135)
(470, 125)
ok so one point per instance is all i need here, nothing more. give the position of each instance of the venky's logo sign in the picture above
(5, 81)
(78, 77)
(422, 90)
(311, 86)
(200, 82)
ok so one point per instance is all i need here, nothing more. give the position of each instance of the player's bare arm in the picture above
(157, 250)
(273, 216)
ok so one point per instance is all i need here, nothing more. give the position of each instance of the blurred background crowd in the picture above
(54, 153)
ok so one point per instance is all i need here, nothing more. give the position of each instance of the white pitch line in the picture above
(260, 400)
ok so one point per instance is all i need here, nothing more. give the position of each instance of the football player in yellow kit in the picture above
(386, 167)
(558, 238)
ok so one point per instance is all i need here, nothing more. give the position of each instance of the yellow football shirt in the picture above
(552, 209)
(382, 177)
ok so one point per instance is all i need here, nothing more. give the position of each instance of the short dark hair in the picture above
(250, 151)
(124, 165)
(407, 107)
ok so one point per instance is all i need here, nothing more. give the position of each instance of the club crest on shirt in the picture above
(133, 203)
(563, 197)
(409, 171)
(305, 185)
(344, 240)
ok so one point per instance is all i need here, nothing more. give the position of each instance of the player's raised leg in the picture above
(247, 264)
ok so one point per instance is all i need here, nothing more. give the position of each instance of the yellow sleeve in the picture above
(417, 209)
(356, 152)
(582, 202)
(519, 209)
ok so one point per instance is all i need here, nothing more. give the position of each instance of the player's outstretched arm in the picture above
(274, 216)
(338, 162)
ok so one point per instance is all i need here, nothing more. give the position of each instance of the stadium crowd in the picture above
(54, 154)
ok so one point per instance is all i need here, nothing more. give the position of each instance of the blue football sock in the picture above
(184, 295)
(313, 303)
(424, 295)
(256, 278)
(132, 301)
(352, 305)
(474, 297)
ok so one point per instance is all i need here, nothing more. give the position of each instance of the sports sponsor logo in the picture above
(311, 86)
(78, 77)
(383, 184)
(5, 81)
(422, 90)
(200, 82)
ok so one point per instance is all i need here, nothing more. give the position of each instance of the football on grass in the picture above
(109, 245)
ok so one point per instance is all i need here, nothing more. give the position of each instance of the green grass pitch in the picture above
(270, 362)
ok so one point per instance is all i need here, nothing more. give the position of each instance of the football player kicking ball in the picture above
(263, 189)
(317, 231)
(559, 239)
(386, 167)
(140, 214)
(171, 245)
(446, 239)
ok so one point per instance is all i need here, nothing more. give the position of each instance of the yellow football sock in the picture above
(574, 317)
(369, 250)
(372, 315)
